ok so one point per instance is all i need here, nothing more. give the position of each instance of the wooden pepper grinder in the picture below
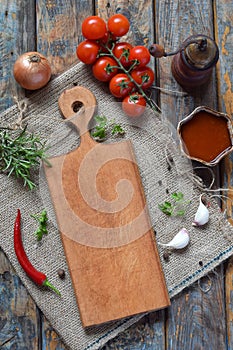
(193, 62)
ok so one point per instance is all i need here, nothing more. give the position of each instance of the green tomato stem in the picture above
(151, 103)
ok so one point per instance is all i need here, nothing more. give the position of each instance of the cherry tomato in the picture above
(108, 38)
(93, 28)
(140, 54)
(107, 41)
(87, 51)
(134, 105)
(120, 85)
(121, 51)
(102, 68)
(144, 76)
(118, 25)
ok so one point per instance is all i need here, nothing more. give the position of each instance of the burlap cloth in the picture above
(160, 176)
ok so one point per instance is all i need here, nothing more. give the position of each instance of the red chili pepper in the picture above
(35, 275)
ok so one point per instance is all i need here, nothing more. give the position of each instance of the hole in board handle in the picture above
(76, 106)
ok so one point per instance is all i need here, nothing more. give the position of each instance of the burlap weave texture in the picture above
(152, 143)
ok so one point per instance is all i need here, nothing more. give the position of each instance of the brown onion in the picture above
(32, 70)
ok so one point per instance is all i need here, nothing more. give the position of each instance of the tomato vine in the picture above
(123, 66)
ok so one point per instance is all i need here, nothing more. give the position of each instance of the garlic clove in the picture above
(202, 214)
(179, 241)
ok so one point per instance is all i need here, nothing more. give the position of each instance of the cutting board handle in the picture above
(80, 101)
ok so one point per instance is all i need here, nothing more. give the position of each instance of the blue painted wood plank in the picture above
(195, 319)
(225, 82)
(224, 37)
(17, 35)
(59, 30)
(50, 339)
(18, 313)
(18, 320)
(147, 334)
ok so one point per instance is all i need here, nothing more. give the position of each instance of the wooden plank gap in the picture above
(217, 69)
(155, 92)
(229, 308)
(39, 327)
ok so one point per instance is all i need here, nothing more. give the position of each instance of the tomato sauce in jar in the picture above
(205, 136)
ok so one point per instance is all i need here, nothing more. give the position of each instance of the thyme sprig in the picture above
(20, 151)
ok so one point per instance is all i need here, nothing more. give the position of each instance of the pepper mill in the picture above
(194, 61)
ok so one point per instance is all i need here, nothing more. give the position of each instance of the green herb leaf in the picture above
(118, 130)
(177, 196)
(180, 212)
(166, 208)
(19, 153)
(105, 126)
(99, 133)
(176, 206)
(42, 219)
(167, 204)
(101, 120)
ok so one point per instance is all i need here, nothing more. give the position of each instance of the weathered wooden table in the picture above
(196, 319)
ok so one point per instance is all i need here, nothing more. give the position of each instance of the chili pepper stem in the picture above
(51, 286)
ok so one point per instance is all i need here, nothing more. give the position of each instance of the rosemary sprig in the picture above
(19, 153)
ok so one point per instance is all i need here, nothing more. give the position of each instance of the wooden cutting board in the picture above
(105, 228)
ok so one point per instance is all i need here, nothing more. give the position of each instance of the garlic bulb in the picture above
(202, 214)
(179, 241)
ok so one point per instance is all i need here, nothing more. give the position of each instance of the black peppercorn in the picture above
(166, 255)
(61, 273)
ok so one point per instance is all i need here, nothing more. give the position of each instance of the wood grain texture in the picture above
(177, 20)
(16, 37)
(19, 317)
(225, 80)
(142, 21)
(224, 11)
(50, 339)
(196, 318)
(106, 234)
(187, 318)
(229, 298)
(139, 14)
(148, 333)
(59, 30)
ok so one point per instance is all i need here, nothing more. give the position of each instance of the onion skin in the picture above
(32, 70)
